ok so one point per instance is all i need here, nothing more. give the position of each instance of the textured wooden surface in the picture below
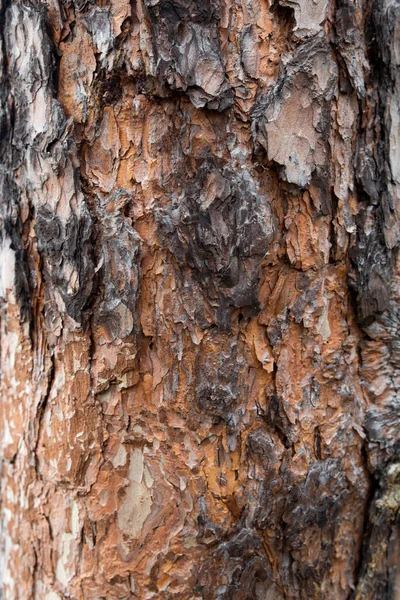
(200, 300)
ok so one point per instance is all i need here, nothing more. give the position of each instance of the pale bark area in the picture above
(201, 301)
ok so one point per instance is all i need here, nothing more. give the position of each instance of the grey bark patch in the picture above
(222, 228)
(11, 226)
(374, 267)
(245, 570)
(67, 249)
(97, 21)
(292, 120)
(378, 575)
(309, 15)
(263, 447)
(50, 234)
(188, 52)
(44, 153)
(119, 248)
(297, 511)
(382, 426)
(378, 234)
(248, 50)
(349, 45)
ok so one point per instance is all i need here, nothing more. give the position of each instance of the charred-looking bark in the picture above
(200, 299)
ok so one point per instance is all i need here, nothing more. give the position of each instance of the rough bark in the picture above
(200, 312)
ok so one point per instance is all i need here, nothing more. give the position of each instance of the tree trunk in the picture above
(200, 310)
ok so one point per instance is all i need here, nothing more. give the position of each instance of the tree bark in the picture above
(200, 311)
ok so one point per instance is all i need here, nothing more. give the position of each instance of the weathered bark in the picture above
(200, 299)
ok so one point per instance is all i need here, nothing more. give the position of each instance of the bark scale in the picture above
(200, 299)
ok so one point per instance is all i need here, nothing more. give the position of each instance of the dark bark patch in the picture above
(221, 228)
(63, 247)
(185, 37)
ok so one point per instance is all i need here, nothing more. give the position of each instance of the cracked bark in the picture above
(199, 299)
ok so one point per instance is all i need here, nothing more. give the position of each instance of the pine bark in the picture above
(200, 301)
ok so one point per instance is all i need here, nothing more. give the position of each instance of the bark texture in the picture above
(200, 315)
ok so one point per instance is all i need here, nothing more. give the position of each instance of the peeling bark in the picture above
(200, 304)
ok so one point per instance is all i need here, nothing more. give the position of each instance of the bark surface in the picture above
(200, 299)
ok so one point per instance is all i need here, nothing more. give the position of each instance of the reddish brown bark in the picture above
(200, 300)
